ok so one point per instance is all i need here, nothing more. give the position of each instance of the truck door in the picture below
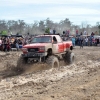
(58, 45)
(61, 47)
(55, 45)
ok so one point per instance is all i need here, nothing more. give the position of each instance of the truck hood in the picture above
(36, 45)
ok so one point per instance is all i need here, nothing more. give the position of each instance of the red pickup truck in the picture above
(49, 49)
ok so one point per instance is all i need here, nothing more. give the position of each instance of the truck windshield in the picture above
(42, 39)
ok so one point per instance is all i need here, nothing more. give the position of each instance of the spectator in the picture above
(86, 41)
(81, 42)
(51, 31)
(54, 31)
(63, 32)
(5, 44)
(20, 43)
(73, 41)
(81, 33)
(16, 44)
(0, 44)
(0, 41)
(97, 41)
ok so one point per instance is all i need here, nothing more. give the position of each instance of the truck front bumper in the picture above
(34, 55)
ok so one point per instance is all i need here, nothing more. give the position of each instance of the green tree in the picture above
(3, 32)
(99, 26)
(47, 30)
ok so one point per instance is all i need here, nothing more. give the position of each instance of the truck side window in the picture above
(54, 39)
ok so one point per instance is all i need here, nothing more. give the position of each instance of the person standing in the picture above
(51, 31)
(16, 44)
(73, 41)
(54, 31)
(81, 42)
(5, 44)
(97, 41)
(86, 41)
(0, 44)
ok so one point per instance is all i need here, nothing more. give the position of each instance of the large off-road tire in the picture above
(21, 63)
(69, 58)
(52, 62)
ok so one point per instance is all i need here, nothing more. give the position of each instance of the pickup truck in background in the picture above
(48, 48)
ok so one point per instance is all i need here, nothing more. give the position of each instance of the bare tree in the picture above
(39, 27)
(3, 25)
(42, 26)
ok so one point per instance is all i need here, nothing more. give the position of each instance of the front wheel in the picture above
(52, 62)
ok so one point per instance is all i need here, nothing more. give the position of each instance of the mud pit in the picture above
(79, 81)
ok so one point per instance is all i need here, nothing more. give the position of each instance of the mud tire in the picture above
(69, 58)
(52, 62)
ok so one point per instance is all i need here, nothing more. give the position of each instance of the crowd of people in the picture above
(86, 41)
(8, 43)
(83, 40)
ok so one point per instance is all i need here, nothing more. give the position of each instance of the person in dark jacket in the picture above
(81, 42)
(16, 43)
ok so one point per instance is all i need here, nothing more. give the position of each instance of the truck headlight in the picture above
(24, 50)
(42, 49)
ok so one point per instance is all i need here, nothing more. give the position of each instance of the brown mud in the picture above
(78, 81)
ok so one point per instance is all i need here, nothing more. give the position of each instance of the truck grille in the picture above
(33, 49)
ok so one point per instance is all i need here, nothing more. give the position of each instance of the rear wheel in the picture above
(52, 62)
(69, 58)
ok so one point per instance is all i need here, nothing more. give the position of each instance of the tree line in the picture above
(43, 26)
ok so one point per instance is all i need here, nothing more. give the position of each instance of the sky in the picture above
(77, 11)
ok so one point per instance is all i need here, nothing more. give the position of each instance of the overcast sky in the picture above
(77, 11)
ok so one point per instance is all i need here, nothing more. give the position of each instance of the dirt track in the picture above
(79, 81)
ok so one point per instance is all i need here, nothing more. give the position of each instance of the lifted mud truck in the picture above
(48, 49)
